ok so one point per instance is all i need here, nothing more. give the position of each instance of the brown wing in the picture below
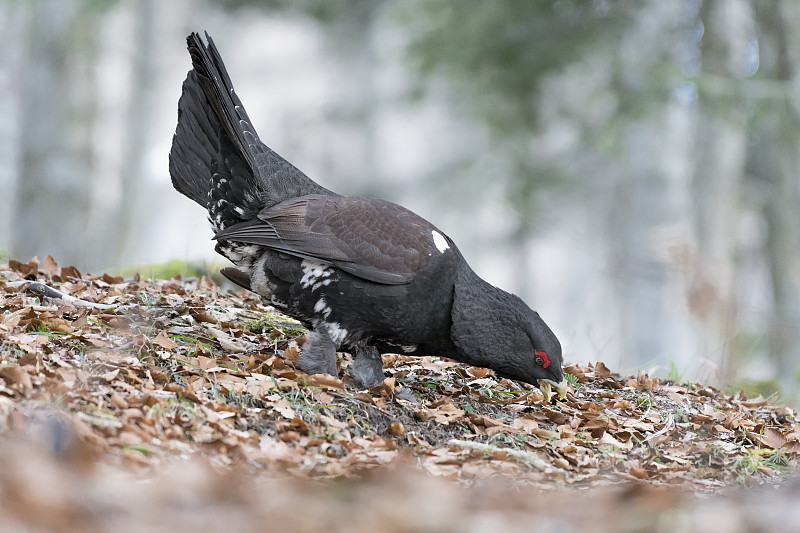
(369, 238)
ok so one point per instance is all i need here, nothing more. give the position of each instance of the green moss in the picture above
(265, 323)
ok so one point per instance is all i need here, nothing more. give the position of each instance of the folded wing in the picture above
(372, 239)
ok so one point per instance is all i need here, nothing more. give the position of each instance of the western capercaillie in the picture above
(365, 275)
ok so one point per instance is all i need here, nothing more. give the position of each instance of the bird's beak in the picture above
(546, 385)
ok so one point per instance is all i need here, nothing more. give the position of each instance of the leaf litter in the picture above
(134, 377)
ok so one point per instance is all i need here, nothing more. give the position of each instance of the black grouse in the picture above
(365, 275)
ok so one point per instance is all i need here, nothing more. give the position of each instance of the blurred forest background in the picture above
(630, 168)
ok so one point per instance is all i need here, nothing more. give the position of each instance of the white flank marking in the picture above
(322, 307)
(250, 249)
(258, 278)
(439, 241)
(317, 285)
(409, 349)
(241, 255)
(313, 274)
(336, 332)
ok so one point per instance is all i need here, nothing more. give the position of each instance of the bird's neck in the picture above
(477, 311)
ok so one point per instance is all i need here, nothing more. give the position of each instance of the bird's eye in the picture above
(541, 359)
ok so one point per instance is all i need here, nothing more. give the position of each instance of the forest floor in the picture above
(175, 405)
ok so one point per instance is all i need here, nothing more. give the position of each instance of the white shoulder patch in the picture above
(439, 241)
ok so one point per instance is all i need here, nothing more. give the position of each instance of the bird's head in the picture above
(497, 330)
(531, 353)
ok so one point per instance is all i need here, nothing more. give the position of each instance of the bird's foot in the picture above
(318, 355)
(367, 367)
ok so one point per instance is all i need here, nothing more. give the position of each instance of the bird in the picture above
(366, 276)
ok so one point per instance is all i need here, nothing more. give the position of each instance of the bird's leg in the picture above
(367, 367)
(319, 354)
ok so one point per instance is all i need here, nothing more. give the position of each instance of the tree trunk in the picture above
(773, 162)
(643, 237)
(136, 129)
(650, 206)
(55, 151)
(719, 156)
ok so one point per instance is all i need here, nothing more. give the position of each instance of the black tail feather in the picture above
(219, 91)
(217, 159)
(195, 143)
(212, 124)
(238, 277)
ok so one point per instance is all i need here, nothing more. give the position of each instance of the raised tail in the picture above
(216, 158)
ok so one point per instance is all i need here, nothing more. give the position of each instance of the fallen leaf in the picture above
(16, 375)
(325, 380)
(601, 370)
(164, 341)
(110, 376)
(754, 403)
(773, 438)
(396, 428)
(50, 267)
(230, 344)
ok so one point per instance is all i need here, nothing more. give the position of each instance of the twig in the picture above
(49, 292)
(667, 427)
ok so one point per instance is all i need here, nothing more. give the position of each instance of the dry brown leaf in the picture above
(754, 403)
(330, 421)
(119, 401)
(609, 440)
(525, 424)
(110, 376)
(292, 355)
(16, 375)
(70, 272)
(502, 429)
(282, 406)
(230, 344)
(50, 267)
(773, 438)
(601, 370)
(643, 382)
(478, 371)
(578, 372)
(545, 434)
(396, 429)
(325, 380)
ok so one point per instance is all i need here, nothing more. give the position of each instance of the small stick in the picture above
(49, 292)
(667, 427)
